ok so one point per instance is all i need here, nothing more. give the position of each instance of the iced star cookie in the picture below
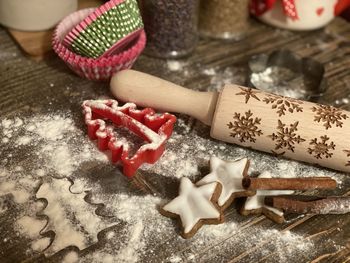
(194, 206)
(229, 174)
(255, 205)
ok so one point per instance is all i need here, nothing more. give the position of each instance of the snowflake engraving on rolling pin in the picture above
(347, 155)
(245, 128)
(329, 116)
(283, 105)
(321, 149)
(286, 136)
(248, 93)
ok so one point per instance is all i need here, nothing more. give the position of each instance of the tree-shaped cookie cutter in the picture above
(154, 128)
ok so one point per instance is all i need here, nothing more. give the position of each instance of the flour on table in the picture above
(174, 65)
(187, 168)
(55, 147)
(284, 245)
(218, 79)
(135, 242)
(175, 259)
(209, 71)
(40, 244)
(341, 102)
(24, 140)
(58, 143)
(279, 81)
(30, 226)
(15, 184)
(144, 225)
(52, 145)
(71, 257)
(52, 127)
(70, 217)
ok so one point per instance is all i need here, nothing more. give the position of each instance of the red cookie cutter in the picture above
(155, 129)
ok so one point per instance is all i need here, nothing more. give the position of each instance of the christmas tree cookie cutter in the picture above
(154, 128)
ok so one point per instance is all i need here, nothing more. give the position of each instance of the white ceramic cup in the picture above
(312, 14)
(34, 15)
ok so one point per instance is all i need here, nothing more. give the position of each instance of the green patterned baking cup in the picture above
(107, 30)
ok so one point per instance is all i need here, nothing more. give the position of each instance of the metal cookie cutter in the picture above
(284, 73)
(153, 128)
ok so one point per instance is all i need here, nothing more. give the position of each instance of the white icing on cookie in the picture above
(228, 174)
(257, 201)
(193, 204)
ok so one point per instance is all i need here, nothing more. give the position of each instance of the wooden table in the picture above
(29, 89)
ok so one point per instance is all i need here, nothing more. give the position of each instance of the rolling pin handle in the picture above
(149, 91)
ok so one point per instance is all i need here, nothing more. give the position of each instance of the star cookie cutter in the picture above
(154, 128)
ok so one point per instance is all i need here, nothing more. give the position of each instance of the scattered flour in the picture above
(58, 143)
(209, 71)
(231, 75)
(41, 244)
(186, 168)
(174, 65)
(341, 102)
(71, 257)
(270, 80)
(60, 159)
(19, 194)
(54, 146)
(71, 218)
(129, 252)
(110, 235)
(60, 149)
(175, 259)
(24, 140)
(30, 226)
(52, 128)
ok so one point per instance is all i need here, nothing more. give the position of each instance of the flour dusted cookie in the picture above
(255, 205)
(194, 206)
(229, 174)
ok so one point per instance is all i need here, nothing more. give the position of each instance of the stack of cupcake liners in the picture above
(106, 29)
(118, 52)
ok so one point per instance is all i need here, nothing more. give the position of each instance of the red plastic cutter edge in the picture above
(154, 128)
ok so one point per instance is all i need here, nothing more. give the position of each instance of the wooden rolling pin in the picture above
(299, 130)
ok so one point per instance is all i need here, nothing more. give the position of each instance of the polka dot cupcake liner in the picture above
(99, 69)
(106, 30)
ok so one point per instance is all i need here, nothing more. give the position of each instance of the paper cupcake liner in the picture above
(94, 69)
(105, 30)
(89, 19)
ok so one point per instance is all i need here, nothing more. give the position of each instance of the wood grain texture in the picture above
(283, 126)
(28, 87)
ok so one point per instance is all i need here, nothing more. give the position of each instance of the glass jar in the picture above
(224, 19)
(171, 27)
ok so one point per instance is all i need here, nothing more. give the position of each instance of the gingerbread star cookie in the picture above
(229, 174)
(194, 206)
(255, 205)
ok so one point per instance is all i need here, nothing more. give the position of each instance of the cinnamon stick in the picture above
(320, 205)
(304, 183)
